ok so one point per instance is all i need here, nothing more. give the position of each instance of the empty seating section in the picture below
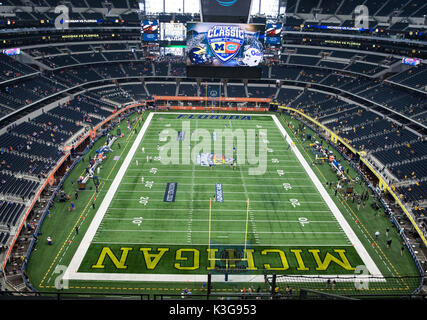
(29, 148)
(69, 77)
(285, 95)
(177, 70)
(336, 80)
(78, 112)
(137, 69)
(9, 68)
(115, 94)
(136, 91)
(10, 212)
(414, 193)
(187, 89)
(80, 48)
(116, 56)
(305, 6)
(93, 106)
(376, 127)
(23, 165)
(4, 236)
(43, 51)
(408, 103)
(313, 76)
(28, 90)
(391, 6)
(17, 187)
(236, 91)
(285, 72)
(342, 54)
(262, 92)
(308, 51)
(415, 77)
(161, 89)
(109, 71)
(60, 61)
(93, 57)
(161, 69)
(415, 8)
(404, 152)
(303, 60)
(414, 170)
(30, 130)
(332, 64)
(365, 68)
(307, 99)
(58, 123)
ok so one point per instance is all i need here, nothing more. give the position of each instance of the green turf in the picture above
(273, 221)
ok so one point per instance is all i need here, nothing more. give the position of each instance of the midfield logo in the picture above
(225, 41)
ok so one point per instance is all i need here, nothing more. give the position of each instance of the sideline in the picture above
(89, 235)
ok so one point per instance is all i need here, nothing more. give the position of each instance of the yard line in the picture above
(229, 184)
(216, 168)
(237, 192)
(201, 200)
(228, 177)
(207, 231)
(219, 169)
(222, 210)
(222, 220)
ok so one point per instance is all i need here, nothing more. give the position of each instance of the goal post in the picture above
(228, 255)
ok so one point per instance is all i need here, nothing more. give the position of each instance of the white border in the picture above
(72, 274)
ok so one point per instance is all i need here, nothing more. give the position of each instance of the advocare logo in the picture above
(226, 3)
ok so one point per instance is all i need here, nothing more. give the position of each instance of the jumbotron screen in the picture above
(225, 45)
(150, 30)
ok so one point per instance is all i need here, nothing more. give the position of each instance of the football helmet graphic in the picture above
(197, 55)
(252, 57)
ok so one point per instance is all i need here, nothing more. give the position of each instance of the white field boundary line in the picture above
(274, 245)
(71, 272)
(360, 249)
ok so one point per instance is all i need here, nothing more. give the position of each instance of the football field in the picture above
(204, 209)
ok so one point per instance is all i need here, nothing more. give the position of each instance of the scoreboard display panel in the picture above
(225, 45)
(172, 31)
(150, 30)
(273, 34)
